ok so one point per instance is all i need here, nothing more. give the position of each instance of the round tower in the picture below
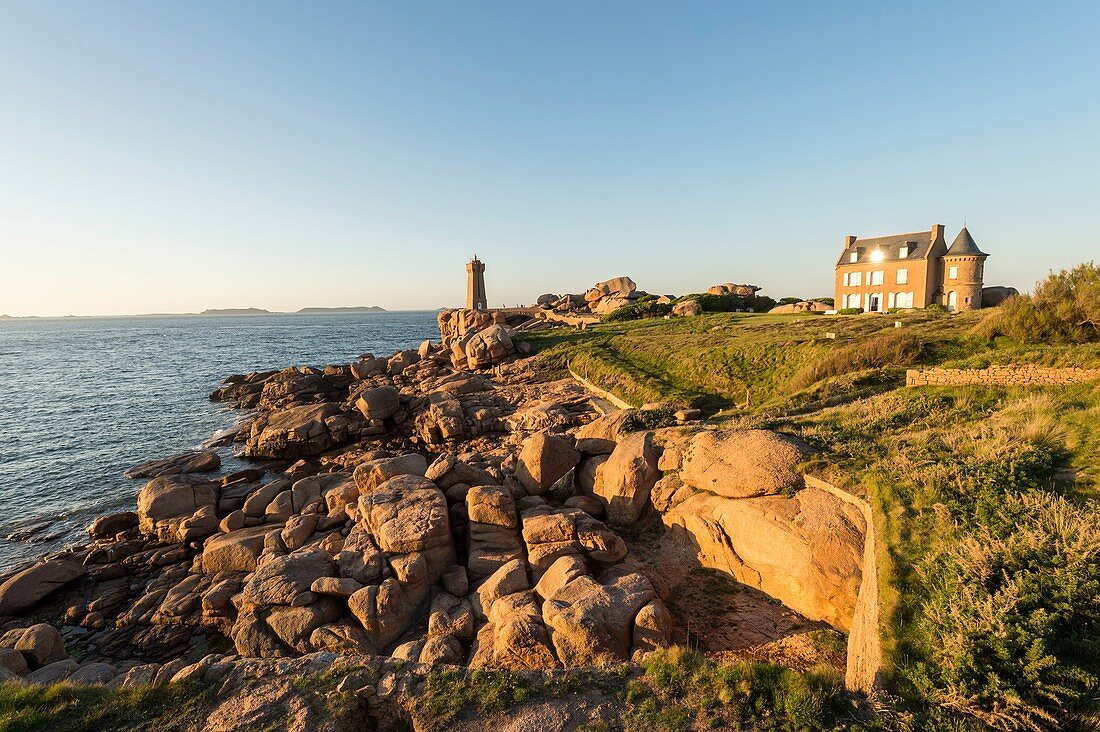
(963, 274)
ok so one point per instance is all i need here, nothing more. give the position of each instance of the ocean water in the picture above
(83, 399)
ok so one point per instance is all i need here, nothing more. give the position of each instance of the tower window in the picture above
(952, 273)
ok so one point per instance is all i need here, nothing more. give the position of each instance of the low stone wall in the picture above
(1011, 375)
(864, 658)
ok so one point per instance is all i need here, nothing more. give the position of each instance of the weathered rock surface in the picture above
(297, 432)
(625, 480)
(806, 551)
(743, 464)
(188, 462)
(27, 588)
(543, 460)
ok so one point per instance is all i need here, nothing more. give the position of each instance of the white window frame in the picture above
(846, 276)
(903, 276)
(952, 273)
(877, 277)
(890, 301)
(853, 257)
(857, 279)
(903, 252)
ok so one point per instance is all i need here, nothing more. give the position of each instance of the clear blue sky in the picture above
(160, 156)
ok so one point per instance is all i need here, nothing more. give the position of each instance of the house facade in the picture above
(910, 271)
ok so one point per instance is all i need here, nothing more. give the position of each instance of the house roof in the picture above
(919, 243)
(964, 246)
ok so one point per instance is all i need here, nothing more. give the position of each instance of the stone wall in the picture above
(864, 663)
(1011, 375)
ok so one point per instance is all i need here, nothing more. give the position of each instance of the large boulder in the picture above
(544, 459)
(163, 502)
(687, 308)
(110, 525)
(27, 588)
(729, 288)
(41, 645)
(625, 480)
(554, 533)
(614, 287)
(236, 551)
(487, 347)
(406, 514)
(188, 462)
(493, 532)
(297, 432)
(381, 402)
(600, 436)
(370, 475)
(743, 464)
(286, 580)
(592, 623)
(806, 551)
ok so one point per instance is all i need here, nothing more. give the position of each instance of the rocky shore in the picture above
(446, 506)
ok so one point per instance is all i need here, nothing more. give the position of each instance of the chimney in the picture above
(937, 232)
(849, 241)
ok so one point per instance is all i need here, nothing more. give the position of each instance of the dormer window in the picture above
(853, 257)
(903, 252)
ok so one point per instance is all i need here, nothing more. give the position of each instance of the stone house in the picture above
(910, 271)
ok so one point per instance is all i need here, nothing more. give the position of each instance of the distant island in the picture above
(235, 311)
(356, 309)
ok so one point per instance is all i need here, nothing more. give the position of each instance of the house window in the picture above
(952, 301)
(981, 270)
(852, 301)
(846, 275)
(856, 279)
(903, 252)
(890, 301)
(952, 273)
(906, 299)
(903, 277)
(877, 277)
(853, 257)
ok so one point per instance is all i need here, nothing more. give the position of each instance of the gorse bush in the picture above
(1065, 308)
(1012, 619)
(644, 308)
(730, 303)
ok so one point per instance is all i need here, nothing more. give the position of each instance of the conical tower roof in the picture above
(964, 246)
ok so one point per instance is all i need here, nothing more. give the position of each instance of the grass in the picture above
(677, 689)
(68, 708)
(741, 362)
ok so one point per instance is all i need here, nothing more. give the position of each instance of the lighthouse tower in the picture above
(475, 285)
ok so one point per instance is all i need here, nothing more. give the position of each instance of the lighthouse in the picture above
(475, 285)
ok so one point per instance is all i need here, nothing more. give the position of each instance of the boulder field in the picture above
(444, 505)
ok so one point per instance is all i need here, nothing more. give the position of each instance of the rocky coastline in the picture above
(439, 507)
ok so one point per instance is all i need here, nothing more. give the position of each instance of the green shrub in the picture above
(644, 308)
(789, 300)
(1065, 308)
(730, 303)
(850, 311)
(1012, 621)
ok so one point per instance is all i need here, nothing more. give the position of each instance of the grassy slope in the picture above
(726, 360)
(972, 486)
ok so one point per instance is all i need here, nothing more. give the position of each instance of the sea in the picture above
(83, 399)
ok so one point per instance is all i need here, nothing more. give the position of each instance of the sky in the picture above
(173, 157)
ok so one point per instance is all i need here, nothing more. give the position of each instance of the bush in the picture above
(850, 311)
(1065, 308)
(644, 308)
(827, 300)
(789, 300)
(1012, 621)
(730, 303)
